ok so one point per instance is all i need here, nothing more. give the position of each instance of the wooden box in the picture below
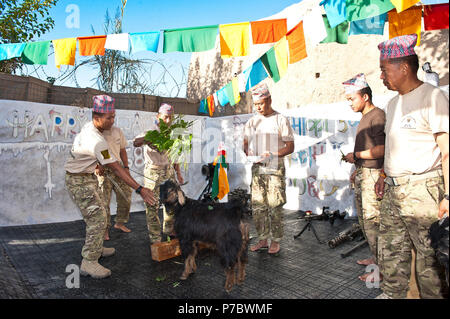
(166, 250)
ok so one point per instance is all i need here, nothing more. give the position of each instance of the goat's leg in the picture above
(242, 257)
(230, 278)
(187, 268)
(189, 263)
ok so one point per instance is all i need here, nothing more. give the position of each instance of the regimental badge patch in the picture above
(105, 154)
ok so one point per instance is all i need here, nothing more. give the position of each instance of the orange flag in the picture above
(211, 109)
(92, 45)
(297, 46)
(268, 31)
(405, 22)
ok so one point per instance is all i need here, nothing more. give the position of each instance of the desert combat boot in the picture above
(94, 269)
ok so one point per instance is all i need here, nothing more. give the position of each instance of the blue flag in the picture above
(254, 74)
(144, 41)
(374, 25)
(11, 50)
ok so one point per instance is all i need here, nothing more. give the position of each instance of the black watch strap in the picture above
(138, 190)
(446, 196)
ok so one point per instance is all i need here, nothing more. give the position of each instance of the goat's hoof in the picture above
(184, 277)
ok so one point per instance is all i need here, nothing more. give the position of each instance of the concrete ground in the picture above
(38, 261)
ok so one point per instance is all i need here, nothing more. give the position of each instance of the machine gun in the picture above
(331, 216)
(347, 235)
(326, 215)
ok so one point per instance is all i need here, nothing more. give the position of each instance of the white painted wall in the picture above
(35, 139)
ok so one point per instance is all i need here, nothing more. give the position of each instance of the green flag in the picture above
(190, 39)
(36, 53)
(363, 9)
(270, 62)
(215, 184)
(337, 34)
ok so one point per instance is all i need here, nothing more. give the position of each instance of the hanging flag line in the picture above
(343, 18)
(234, 38)
(274, 62)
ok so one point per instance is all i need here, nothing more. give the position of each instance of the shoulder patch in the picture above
(105, 154)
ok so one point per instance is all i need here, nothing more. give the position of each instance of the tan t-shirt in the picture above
(411, 121)
(267, 133)
(116, 141)
(89, 148)
(151, 156)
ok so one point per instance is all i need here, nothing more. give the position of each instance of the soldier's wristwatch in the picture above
(138, 190)
(446, 196)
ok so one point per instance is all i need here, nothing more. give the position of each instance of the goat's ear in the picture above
(181, 197)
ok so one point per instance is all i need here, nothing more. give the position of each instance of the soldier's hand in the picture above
(349, 158)
(148, 196)
(443, 208)
(379, 187)
(99, 170)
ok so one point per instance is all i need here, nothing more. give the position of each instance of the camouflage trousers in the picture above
(268, 197)
(123, 196)
(407, 211)
(367, 205)
(158, 176)
(83, 189)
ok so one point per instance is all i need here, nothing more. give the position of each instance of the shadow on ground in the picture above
(33, 261)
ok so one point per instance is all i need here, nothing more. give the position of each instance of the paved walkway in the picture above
(33, 261)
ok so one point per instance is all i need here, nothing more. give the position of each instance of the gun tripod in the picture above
(309, 226)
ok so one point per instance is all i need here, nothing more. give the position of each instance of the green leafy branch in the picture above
(174, 140)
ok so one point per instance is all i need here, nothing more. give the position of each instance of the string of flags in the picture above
(342, 18)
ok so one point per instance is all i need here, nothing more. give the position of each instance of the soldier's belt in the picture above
(396, 181)
(79, 174)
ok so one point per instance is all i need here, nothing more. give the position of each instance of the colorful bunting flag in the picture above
(229, 93)
(236, 94)
(268, 31)
(223, 96)
(231, 90)
(374, 25)
(336, 11)
(190, 39)
(405, 22)
(203, 107)
(11, 50)
(220, 186)
(428, 2)
(120, 42)
(254, 74)
(436, 17)
(92, 45)
(281, 54)
(144, 41)
(297, 45)
(65, 50)
(234, 39)
(364, 9)
(36, 53)
(402, 5)
(211, 109)
(314, 27)
(270, 62)
(338, 34)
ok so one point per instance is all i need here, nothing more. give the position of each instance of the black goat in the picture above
(216, 225)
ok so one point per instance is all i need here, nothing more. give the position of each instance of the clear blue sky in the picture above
(141, 15)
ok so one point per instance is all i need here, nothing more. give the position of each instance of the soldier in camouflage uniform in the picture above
(90, 150)
(269, 136)
(157, 170)
(415, 186)
(367, 155)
